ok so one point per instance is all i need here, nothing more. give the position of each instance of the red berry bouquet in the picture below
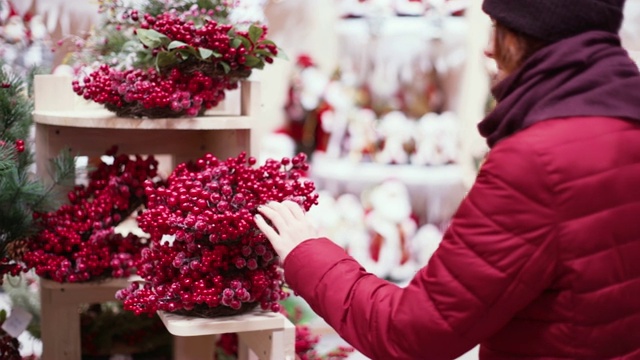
(207, 257)
(186, 62)
(77, 242)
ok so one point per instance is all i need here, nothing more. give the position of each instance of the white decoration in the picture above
(361, 133)
(396, 130)
(390, 222)
(410, 7)
(17, 321)
(38, 29)
(247, 12)
(313, 83)
(425, 243)
(436, 139)
(14, 31)
(276, 146)
(351, 232)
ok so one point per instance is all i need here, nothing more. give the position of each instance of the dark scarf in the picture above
(586, 75)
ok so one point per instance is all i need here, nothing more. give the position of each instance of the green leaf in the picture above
(185, 54)
(176, 44)
(235, 43)
(245, 42)
(252, 61)
(225, 66)
(165, 58)
(254, 33)
(152, 38)
(263, 52)
(282, 54)
(205, 53)
(267, 42)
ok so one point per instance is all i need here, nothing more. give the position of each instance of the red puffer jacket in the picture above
(541, 260)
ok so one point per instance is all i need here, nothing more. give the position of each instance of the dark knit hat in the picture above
(552, 20)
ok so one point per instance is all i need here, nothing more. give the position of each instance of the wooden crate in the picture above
(261, 335)
(60, 314)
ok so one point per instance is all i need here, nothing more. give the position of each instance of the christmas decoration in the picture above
(183, 64)
(77, 242)
(24, 41)
(310, 106)
(206, 256)
(21, 194)
(9, 346)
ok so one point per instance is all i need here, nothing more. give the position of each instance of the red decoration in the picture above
(217, 262)
(77, 242)
(194, 68)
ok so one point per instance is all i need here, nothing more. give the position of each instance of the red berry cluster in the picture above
(199, 63)
(9, 347)
(77, 242)
(206, 251)
(19, 145)
(213, 36)
(181, 92)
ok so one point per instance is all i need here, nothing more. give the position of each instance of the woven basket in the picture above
(219, 311)
(189, 66)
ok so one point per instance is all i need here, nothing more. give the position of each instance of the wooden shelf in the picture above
(103, 119)
(60, 313)
(64, 123)
(195, 326)
(263, 335)
(109, 283)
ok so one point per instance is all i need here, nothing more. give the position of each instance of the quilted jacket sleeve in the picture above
(496, 257)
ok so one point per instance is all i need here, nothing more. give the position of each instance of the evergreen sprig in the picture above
(15, 108)
(21, 192)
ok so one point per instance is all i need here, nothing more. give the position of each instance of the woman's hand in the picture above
(290, 226)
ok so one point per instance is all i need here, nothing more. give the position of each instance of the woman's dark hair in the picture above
(511, 57)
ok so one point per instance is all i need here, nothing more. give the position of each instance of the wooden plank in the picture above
(103, 119)
(194, 347)
(60, 311)
(252, 107)
(55, 93)
(195, 326)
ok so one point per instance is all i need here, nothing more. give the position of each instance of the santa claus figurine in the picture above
(391, 227)
(14, 31)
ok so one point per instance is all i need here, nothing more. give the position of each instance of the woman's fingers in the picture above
(282, 210)
(268, 231)
(295, 209)
(273, 214)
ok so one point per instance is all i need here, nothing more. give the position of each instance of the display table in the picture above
(63, 125)
(261, 335)
(436, 191)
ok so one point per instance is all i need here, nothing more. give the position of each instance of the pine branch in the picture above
(64, 169)
(15, 108)
(6, 159)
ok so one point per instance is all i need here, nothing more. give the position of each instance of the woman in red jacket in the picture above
(542, 258)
